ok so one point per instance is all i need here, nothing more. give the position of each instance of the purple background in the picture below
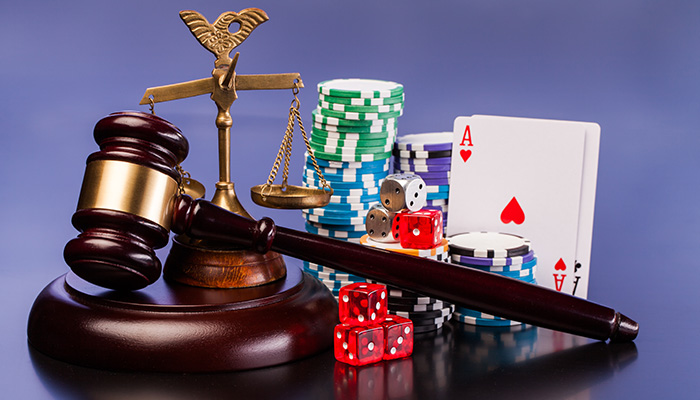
(631, 66)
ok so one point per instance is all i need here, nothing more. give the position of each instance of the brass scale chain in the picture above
(285, 150)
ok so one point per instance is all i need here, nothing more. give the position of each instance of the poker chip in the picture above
(438, 196)
(489, 245)
(370, 191)
(399, 166)
(318, 133)
(423, 161)
(333, 233)
(438, 202)
(358, 116)
(324, 212)
(435, 181)
(340, 121)
(332, 220)
(357, 101)
(347, 143)
(428, 175)
(434, 141)
(368, 184)
(431, 321)
(347, 206)
(360, 88)
(437, 189)
(414, 301)
(353, 157)
(354, 165)
(354, 199)
(335, 276)
(331, 128)
(439, 313)
(413, 308)
(465, 319)
(363, 109)
(421, 154)
(347, 150)
(347, 228)
(424, 329)
(347, 176)
(497, 264)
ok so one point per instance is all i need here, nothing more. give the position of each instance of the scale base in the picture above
(170, 327)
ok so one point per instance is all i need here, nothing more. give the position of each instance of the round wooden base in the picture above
(170, 327)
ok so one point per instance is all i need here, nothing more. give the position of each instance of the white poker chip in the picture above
(434, 141)
(360, 88)
(489, 244)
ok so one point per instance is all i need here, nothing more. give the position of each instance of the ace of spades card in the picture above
(533, 178)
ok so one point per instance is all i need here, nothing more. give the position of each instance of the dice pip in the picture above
(419, 230)
(403, 191)
(380, 225)
(358, 345)
(362, 303)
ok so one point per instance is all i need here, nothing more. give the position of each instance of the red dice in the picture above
(419, 229)
(365, 382)
(358, 345)
(398, 337)
(362, 303)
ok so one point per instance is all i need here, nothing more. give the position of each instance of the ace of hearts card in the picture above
(530, 177)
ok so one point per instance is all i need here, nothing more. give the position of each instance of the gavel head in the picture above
(126, 201)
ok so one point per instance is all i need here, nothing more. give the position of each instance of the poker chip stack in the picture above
(500, 253)
(353, 134)
(429, 156)
(483, 349)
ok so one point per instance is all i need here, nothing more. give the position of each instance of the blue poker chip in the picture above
(438, 196)
(423, 161)
(354, 199)
(434, 141)
(495, 261)
(416, 169)
(436, 181)
(346, 177)
(342, 185)
(349, 170)
(348, 206)
(334, 233)
(465, 319)
(372, 191)
(368, 165)
(437, 189)
(323, 212)
(497, 269)
(346, 227)
(334, 221)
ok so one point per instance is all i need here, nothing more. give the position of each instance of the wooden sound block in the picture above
(170, 327)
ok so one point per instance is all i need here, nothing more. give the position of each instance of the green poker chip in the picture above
(360, 88)
(355, 101)
(321, 133)
(360, 109)
(331, 149)
(391, 128)
(360, 116)
(326, 141)
(352, 157)
(340, 121)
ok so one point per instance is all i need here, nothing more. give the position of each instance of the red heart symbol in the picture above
(513, 213)
(465, 154)
(560, 265)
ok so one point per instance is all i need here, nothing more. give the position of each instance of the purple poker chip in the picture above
(492, 262)
(423, 161)
(437, 202)
(436, 181)
(417, 169)
(434, 141)
(421, 154)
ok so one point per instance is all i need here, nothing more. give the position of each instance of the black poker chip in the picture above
(421, 153)
(438, 305)
(488, 244)
(426, 328)
(441, 312)
(430, 321)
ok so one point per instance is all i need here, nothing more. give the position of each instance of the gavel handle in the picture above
(463, 286)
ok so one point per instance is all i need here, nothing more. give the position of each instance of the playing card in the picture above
(521, 176)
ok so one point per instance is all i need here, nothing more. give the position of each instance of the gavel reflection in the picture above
(130, 200)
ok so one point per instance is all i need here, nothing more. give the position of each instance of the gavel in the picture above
(131, 198)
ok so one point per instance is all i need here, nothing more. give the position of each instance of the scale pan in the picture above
(289, 196)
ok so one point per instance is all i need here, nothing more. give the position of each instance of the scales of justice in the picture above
(220, 307)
